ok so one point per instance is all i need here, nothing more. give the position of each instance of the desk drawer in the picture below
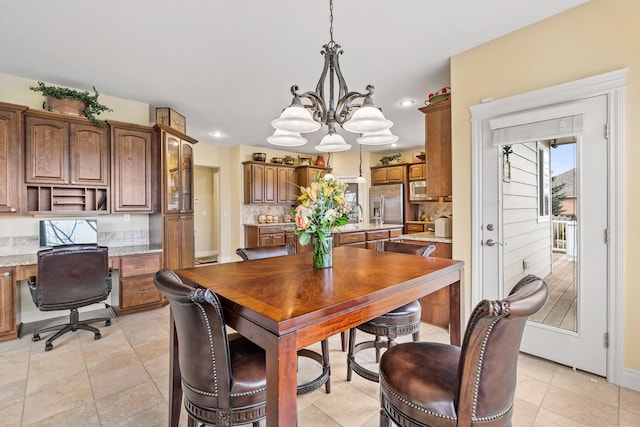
(346, 238)
(377, 235)
(138, 265)
(137, 292)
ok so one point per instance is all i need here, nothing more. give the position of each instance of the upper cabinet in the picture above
(269, 183)
(438, 148)
(395, 174)
(417, 172)
(307, 174)
(10, 159)
(177, 170)
(131, 168)
(62, 150)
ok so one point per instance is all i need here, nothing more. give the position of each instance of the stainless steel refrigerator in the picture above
(387, 204)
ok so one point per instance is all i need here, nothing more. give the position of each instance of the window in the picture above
(544, 183)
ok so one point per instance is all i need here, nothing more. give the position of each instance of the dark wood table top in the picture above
(286, 293)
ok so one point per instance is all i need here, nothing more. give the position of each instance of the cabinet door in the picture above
(89, 155)
(131, 172)
(46, 151)
(416, 172)
(9, 159)
(286, 186)
(257, 183)
(7, 304)
(172, 173)
(395, 174)
(378, 176)
(179, 242)
(187, 241)
(438, 148)
(186, 177)
(270, 184)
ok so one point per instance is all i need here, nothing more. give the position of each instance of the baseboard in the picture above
(631, 379)
(203, 254)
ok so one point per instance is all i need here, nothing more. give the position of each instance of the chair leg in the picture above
(384, 419)
(73, 325)
(416, 335)
(352, 343)
(326, 364)
(378, 343)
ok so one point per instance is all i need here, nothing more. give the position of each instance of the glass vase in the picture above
(322, 251)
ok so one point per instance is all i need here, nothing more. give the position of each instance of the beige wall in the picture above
(594, 38)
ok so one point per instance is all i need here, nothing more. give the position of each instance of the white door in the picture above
(520, 235)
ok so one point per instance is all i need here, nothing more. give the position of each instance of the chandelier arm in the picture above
(343, 108)
(342, 84)
(317, 104)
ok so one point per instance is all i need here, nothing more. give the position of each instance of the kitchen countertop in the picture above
(342, 229)
(30, 259)
(427, 236)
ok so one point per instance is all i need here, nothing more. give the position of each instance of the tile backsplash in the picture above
(250, 212)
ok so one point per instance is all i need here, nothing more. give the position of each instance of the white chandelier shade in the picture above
(286, 138)
(367, 119)
(332, 143)
(377, 138)
(296, 118)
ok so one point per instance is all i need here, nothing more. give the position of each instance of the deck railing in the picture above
(563, 232)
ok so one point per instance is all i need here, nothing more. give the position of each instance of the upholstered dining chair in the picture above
(70, 277)
(224, 377)
(402, 321)
(248, 254)
(436, 385)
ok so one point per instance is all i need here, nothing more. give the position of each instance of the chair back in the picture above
(266, 251)
(203, 346)
(405, 248)
(486, 379)
(71, 276)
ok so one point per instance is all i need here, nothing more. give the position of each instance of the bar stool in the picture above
(402, 321)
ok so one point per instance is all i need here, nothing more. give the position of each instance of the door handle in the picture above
(492, 243)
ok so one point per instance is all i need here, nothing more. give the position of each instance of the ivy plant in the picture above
(92, 107)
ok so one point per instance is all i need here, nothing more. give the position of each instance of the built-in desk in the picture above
(133, 288)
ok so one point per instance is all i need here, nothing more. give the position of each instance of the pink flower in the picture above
(302, 222)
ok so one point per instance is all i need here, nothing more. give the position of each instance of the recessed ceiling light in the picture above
(406, 102)
(393, 144)
(216, 134)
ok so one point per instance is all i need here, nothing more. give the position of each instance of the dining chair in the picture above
(437, 385)
(70, 277)
(248, 254)
(402, 321)
(224, 377)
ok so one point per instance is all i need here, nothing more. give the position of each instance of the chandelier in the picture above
(364, 119)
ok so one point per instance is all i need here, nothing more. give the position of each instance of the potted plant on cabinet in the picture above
(288, 160)
(73, 102)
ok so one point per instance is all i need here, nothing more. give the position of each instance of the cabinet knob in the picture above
(12, 209)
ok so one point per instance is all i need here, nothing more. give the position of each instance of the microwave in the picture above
(418, 191)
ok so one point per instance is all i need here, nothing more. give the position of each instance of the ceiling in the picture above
(228, 65)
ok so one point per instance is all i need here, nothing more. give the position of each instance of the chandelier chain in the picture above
(331, 20)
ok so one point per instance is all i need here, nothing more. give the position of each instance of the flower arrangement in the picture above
(322, 207)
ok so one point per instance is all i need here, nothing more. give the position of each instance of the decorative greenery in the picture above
(92, 107)
(388, 159)
(288, 159)
(557, 196)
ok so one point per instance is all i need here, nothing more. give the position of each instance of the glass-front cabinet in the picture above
(178, 173)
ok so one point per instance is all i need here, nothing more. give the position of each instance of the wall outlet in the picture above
(127, 218)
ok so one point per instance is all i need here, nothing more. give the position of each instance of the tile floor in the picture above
(122, 380)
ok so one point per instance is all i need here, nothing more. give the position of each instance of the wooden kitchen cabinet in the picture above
(65, 151)
(438, 148)
(179, 241)
(10, 157)
(8, 304)
(173, 225)
(135, 290)
(268, 235)
(131, 168)
(367, 239)
(269, 183)
(417, 172)
(395, 174)
(307, 174)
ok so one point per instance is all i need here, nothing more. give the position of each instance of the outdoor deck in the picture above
(560, 308)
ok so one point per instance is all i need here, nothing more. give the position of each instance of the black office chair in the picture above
(224, 377)
(402, 321)
(69, 277)
(248, 254)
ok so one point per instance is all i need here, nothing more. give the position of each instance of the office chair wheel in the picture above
(48, 347)
(97, 336)
(36, 337)
(107, 323)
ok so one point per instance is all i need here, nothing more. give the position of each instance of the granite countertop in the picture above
(427, 236)
(30, 259)
(266, 224)
(365, 227)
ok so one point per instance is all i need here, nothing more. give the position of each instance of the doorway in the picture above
(206, 214)
(518, 137)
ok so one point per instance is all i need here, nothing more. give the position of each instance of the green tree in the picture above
(557, 196)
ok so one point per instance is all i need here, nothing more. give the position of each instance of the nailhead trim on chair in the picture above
(505, 309)
(197, 296)
(419, 408)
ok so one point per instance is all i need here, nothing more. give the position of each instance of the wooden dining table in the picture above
(283, 304)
